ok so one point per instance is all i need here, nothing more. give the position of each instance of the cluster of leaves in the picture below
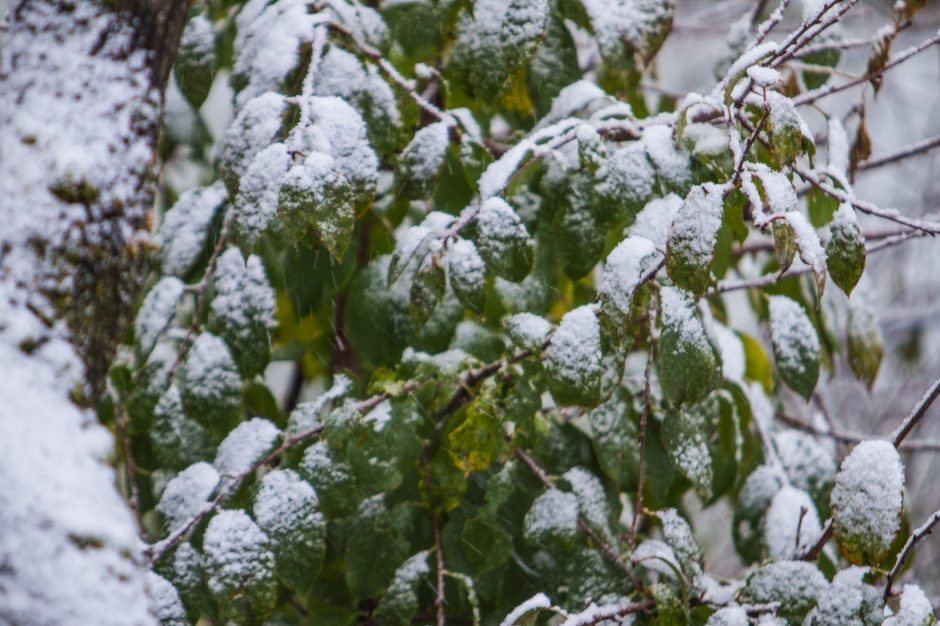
(505, 274)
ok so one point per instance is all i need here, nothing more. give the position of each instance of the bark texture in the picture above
(81, 84)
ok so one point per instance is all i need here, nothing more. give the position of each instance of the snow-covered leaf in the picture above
(624, 183)
(553, 519)
(573, 358)
(239, 567)
(795, 343)
(196, 60)
(794, 585)
(791, 525)
(332, 478)
(178, 440)
(400, 602)
(186, 225)
(285, 508)
(157, 311)
(687, 363)
(503, 241)
(867, 501)
(243, 309)
(186, 494)
(845, 252)
(257, 125)
(849, 601)
(915, 609)
(865, 341)
(692, 238)
(211, 384)
(626, 266)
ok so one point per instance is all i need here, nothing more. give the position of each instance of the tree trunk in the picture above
(81, 84)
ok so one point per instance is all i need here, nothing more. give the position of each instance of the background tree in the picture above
(541, 317)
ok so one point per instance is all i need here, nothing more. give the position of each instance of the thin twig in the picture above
(922, 531)
(916, 149)
(120, 426)
(439, 554)
(917, 414)
(850, 437)
(822, 92)
(644, 417)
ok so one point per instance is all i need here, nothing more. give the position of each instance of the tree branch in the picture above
(922, 531)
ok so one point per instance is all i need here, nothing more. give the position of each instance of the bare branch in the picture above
(644, 417)
(917, 414)
(922, 531)
(916, 149)
(822, 92)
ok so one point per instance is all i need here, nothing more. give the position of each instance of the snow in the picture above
(627, 174)
(267, 47)
(626, 266)
(808, 464)
(307, 414)
(838, 148)
(379, 416)
(408, 575)
(791, 509)
(349, 142)
(286, 506)
(466, 267)
(553, 514)
(654, 221)
(259, 192)
(571, 100)
(672, 164)
(536, 602)
(592, 500)
(245, 445)
(574, 354)
(657, 556)
(678, 313)
(498, 226)
(678, 536)
(364, 22)
(792, 584)
(807, 242)
(243, 300)
(792, 334)
(915, 609)
(694, 231)
(728, 616)
(778, 190)
(424, 156)
(750, 57)
(185, 227)
(868, 497)
(731, 348)
(186, 494)
(849, 601)
(256, 127)
(209, 376)
(178, 440)
(527, 331)
(157, 311)
(763, 76)
(167, 606)
(237, 553)
(497, 175)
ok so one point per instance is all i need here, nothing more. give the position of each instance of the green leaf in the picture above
(478, 441)
(757, 365)
(821, 207)
(243, 310)
(786, 128)
(626, 266)
(157, 311)
(614, 438)
(183, 567)
(784, 244)
(315, 197)
(178, 440)
(337, 491)
(374, 550)
(865, 342)
(522, 29)
(427, 287)
(285, 508)
(794, 585)
(503, 241)
(400, 602)
(686, 442)
(688, 364)
(573, 359)
(486, 543)
(692, 238)
(239, 568)
(845, 252)
(552, 520)
(849, 598)
(867, 502)
(795, 344)
(421, 161)
(670, 607)
(211, 385)
(624, 184)
(196, 60)
(581, 238)
(554, 64)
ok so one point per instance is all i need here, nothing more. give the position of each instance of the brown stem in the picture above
(644, 417)
(922, 531)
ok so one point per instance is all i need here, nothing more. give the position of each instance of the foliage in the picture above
(508, 276)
